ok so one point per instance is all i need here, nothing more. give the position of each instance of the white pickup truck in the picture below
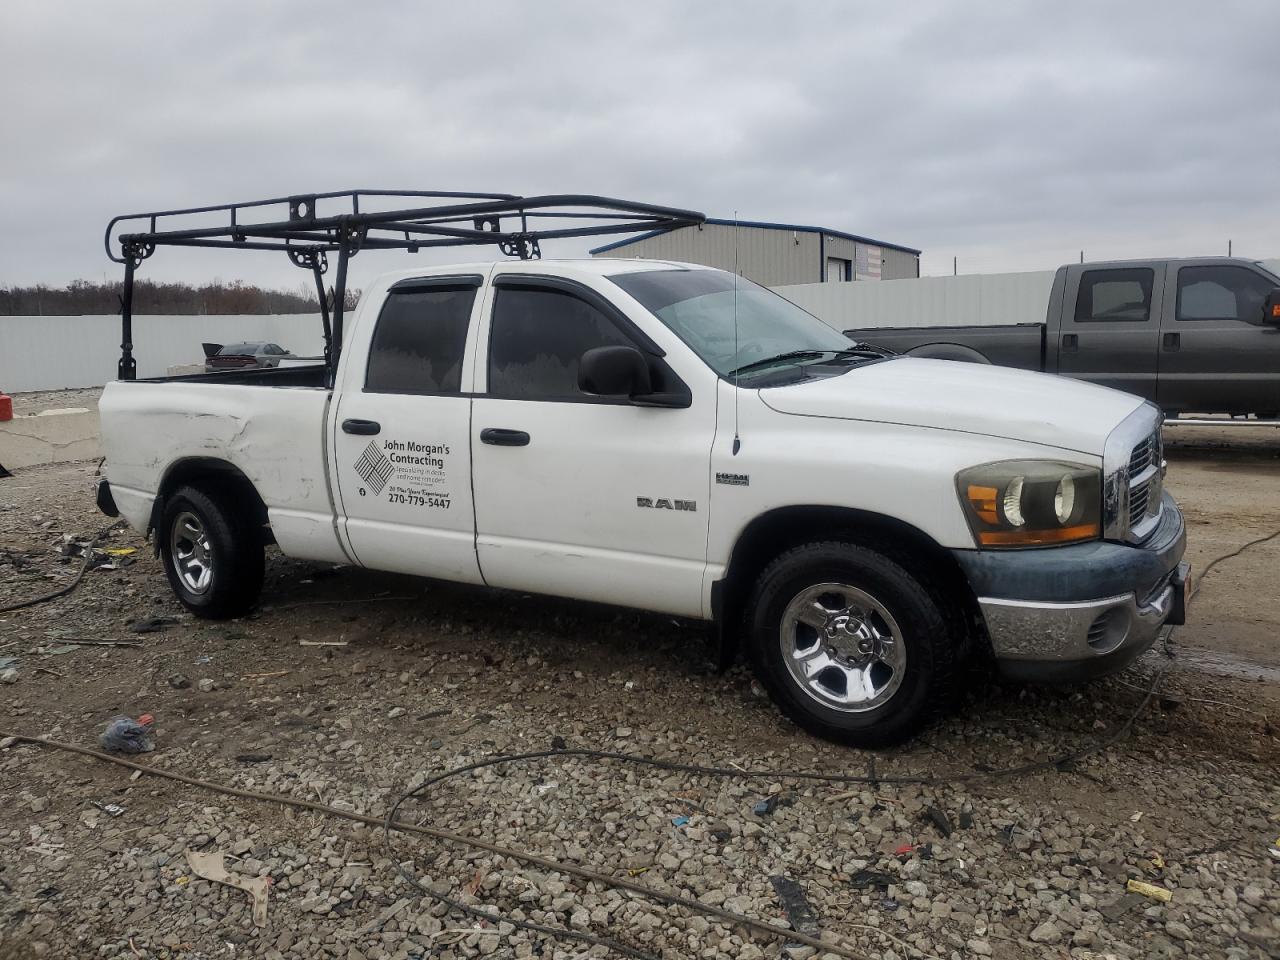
(673, 438)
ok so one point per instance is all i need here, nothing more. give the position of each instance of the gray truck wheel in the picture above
(211, 554)
(850, 645)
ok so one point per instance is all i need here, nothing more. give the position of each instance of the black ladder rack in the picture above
(297, 226)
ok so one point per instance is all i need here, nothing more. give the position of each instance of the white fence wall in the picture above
(53, 353)
(987, 299)
(974, 299)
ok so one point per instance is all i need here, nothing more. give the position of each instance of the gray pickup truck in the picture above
(1198, 335)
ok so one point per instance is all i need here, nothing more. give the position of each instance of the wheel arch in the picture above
(780, 529)
(212, 475)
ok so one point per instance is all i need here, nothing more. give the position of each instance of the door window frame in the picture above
(624, 325)
(415, 285)
(1177, 294)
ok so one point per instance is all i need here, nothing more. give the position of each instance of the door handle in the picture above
(363, 428)
(504, 438)
(1070, 342)
(1172, 341)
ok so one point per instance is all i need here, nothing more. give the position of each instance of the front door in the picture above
(577, 495)
(1216, 353)
(401, 433)
(1112, 335)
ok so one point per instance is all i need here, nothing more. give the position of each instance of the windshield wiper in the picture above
(858, 350)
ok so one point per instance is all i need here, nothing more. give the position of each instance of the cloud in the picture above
(1008, 135)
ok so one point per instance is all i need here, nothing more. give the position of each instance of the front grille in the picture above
(1144, 493)
(1143, 453)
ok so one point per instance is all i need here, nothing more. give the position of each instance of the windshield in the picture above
(699, 306)
(238, 349)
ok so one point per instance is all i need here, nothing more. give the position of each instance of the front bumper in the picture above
(1075, 612)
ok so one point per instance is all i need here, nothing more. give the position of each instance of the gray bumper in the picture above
(1069, 613)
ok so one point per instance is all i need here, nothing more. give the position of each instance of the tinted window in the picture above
(417, 345)
(1115, 295)
(1221, 293)
(536, 340)
(238, 350)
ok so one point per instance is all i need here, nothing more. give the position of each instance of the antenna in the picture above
(737, 440)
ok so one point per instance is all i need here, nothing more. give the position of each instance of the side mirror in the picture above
(1271, 308)
(614, 372)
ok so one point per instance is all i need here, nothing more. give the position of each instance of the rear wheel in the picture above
(850, 645)
(211, 553)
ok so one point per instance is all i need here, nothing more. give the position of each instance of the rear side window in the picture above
(1221, 293)
(418, 342)
(536, 340)
(1115, 295)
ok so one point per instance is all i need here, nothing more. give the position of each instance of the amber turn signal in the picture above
(1035, 538)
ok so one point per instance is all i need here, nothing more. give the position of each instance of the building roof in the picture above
(795, 227)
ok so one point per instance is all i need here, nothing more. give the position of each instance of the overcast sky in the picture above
(1010, 135)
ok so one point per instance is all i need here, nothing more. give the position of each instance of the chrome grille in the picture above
(1145, 481)
(1143, 453)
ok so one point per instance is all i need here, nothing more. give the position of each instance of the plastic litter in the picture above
(1149, 890)
(939, 820)
(126, 735)
(679, 821)
(800, 913)
(210, 866)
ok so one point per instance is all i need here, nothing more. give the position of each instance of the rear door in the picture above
(1217, 355)
(1110, 332)
(401, 433)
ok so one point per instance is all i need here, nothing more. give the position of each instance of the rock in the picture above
(1047, 932)
(179, 681)
(9, 676)
(1252, 895)
(39, 804)
(396, 713)
(1178, 930)
(205, 685)
(979, 948)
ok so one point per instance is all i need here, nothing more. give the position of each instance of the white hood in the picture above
(969, 397)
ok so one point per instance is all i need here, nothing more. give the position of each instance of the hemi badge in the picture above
(734, 479)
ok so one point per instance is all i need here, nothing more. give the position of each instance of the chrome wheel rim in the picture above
(842, 647)
(191, 553)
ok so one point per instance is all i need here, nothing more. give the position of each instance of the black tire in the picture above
(926, 683)
(231, 544)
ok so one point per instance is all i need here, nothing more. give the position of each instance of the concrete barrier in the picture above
(51, 436)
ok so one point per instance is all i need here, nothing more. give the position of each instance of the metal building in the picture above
(774, 254)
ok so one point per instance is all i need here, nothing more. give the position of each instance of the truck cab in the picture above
(1192, 335)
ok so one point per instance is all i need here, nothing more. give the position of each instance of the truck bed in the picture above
(309, 375)
(1015, 345)
(272, 437)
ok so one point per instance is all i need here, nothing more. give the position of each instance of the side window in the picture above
(1221, 293)
(536, 340)
(1115, 295)
(418, 342)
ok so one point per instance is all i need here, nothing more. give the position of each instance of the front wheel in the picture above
(211, 554)
(850, 645)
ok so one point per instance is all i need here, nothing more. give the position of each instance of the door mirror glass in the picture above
(1271, 308)
(614, 371)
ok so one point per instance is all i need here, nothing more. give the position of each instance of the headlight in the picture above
(1031, 503)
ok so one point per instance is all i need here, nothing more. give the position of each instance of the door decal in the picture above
(413, 474)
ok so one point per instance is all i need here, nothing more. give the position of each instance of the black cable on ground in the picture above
(1233, 554)
(84, 568)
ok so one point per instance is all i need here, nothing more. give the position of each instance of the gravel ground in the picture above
(348, 688)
